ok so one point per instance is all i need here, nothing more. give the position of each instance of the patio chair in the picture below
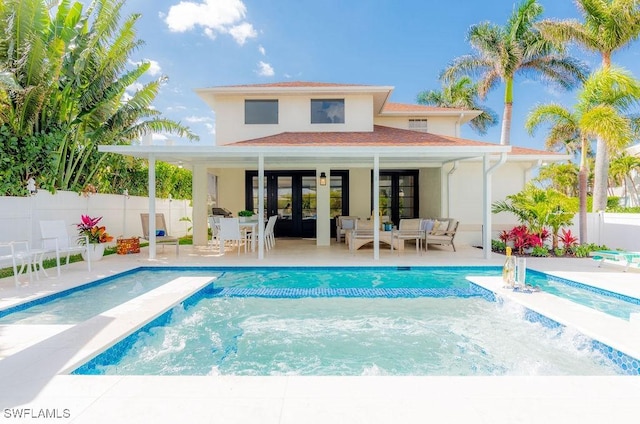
(269, 232)
(617, 257)
(21, 258)
(442, 234)
(410, 229)
(162, 235)
(230, 232)
(344, 224)
(214, 224)
(56, 238)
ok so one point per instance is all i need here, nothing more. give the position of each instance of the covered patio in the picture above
(372, 152)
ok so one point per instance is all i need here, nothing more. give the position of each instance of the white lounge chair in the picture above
(56, 238)
(162, 235)
(617, 257)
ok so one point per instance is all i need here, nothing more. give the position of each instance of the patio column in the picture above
(323, 208)
(486, 226)
(199, 192)
(261, 206)
(152, 206)
(376, 207)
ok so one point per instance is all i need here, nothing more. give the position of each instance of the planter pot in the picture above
(247, 218)
(96, 251)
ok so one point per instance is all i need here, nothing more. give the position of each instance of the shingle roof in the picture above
(381, 136)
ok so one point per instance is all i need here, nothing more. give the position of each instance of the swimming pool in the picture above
(227, 332)
(71, 306)
(80, 303)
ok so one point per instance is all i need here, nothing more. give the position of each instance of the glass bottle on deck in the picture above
(509, 270)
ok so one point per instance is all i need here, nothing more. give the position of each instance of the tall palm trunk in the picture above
(582, 191)
(505, 135)
(600, 183)
(601, 171)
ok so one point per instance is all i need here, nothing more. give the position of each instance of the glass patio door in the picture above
(292, 196)
(398, 194)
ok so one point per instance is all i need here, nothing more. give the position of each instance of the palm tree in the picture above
(563, 177)
(608, 26)
(621, 172)
(63, 82)
(516, 48)
(461, 94)
(597, 115)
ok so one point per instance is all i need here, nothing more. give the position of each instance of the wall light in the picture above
(323, 179)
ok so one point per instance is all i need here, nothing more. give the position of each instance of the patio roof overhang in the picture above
(312, 156)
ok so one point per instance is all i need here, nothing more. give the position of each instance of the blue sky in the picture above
(399, 43)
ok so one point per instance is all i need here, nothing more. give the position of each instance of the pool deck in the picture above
(34, 360)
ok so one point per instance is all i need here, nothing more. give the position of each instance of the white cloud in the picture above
(154, 66)
(262, 50)
(264, 69)
(198, 119)
(214, 16)
(242, 32)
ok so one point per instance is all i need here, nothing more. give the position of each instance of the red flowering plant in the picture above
(568, 240)
(89, 227)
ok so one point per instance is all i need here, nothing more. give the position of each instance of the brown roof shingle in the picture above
(381, 136)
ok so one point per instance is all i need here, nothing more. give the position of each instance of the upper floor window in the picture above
(327, 111)
(260, 111)
(418, 124)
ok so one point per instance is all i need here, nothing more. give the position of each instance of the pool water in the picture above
(73, 306)
(355, 336)
(81, 303)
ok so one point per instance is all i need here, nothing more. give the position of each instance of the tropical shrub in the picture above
(538, 209)
(540, 251)
(568, 240)
(498, 246)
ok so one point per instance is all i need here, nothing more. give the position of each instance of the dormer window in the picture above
(327, 111)
(261, 111)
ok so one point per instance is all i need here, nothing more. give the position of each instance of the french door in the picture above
(398, 194)
(292, 195)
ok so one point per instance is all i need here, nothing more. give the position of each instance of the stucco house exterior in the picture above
(312, 151)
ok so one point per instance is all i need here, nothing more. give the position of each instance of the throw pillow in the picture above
(440, 228)
(427, 225)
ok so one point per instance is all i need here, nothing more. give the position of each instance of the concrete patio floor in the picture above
(31, 361)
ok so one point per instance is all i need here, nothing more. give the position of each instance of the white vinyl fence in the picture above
(20, 216)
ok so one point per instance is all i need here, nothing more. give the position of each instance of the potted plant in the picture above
(89, 231)
(387, 226)
(245, 215)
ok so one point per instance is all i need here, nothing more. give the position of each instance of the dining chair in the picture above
(230, 232)
(269, 234)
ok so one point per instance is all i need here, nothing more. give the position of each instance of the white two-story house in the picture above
(309, 152)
